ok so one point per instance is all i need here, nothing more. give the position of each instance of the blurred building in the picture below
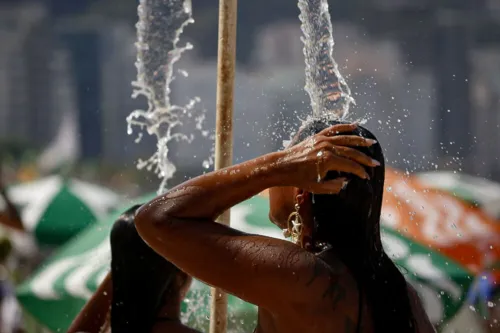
(278, 45)
(424, 74)
(26, 109)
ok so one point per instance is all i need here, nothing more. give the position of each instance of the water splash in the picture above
(161, 22)
(329, 93)
(197, 312)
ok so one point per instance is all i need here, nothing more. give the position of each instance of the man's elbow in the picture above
(149, 218)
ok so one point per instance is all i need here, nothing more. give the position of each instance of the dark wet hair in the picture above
(141, 278)
(350, 224)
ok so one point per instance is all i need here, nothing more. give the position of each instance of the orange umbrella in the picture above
(448, 225)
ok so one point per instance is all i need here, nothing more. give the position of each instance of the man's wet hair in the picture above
(350, 224)
(141, 278)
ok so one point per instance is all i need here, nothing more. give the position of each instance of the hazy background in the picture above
(426, 75)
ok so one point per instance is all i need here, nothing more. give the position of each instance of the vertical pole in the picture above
(224, 131)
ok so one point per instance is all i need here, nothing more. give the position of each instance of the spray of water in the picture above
(160, 25)
(329, 93)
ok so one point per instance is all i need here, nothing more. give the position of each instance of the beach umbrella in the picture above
(460, 232)
(441, 221)
(57, 291)
(479, 191)
(54, 209)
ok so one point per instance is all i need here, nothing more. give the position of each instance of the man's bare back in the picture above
(267, 323)
(324, 315)
(295, 290)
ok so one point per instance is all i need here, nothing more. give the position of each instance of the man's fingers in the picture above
(355, 155)
(337, 129)
(350, 141)
(342, 164)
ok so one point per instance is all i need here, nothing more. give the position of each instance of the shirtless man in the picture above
(326, 193)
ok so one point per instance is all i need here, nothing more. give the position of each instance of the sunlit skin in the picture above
(295, 291)
(93, 318)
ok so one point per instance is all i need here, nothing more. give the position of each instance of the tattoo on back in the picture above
(335, 291)
(318, 269)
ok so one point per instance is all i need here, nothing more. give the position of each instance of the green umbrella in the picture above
(57, 291)
(476, 190)
(55, 209)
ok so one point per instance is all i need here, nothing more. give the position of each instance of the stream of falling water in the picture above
(329, 93)
(161, 22)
